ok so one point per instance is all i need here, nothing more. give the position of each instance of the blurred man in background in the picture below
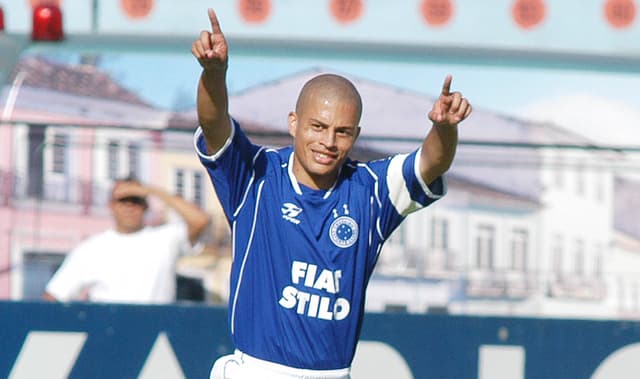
(131, 263)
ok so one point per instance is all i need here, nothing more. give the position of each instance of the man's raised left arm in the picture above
(439, 146)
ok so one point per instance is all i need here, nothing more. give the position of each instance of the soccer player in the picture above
(308, 222)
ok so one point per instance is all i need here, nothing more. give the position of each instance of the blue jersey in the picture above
(302, 258)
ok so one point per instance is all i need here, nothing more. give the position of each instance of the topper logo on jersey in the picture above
(344, 229)
(311, 304)
(290, 211)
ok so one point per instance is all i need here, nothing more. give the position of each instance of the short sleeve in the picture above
(231, 169)
(72, 276)
(407, 190)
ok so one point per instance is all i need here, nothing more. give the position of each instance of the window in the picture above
(36, 141)
(580, 180)
(622, 293)
(189, 185)
(599, 185)
(440, 233)
(485, 241)
(197, 189)
(395, 308)
(179, 184)
(559, 171)
(134, 159)
(519, 249)
(598, 261)
(37, 269)
(113, 159)
(399, 254)
(557, 251)
(579, 259)
(60, 144)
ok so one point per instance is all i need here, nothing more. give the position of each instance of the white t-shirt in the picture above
(123, 268)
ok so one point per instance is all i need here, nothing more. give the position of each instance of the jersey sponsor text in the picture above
(314, 305)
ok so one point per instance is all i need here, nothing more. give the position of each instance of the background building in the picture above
(539, 219)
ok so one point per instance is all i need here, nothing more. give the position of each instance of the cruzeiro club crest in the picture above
(344, 229)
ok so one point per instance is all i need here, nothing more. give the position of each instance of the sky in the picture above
(604, 106)
(601, 105)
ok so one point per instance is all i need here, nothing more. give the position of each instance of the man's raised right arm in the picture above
(211, 50)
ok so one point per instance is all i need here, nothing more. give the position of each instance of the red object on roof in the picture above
(47, 23)
(1, 20)
(620, 13)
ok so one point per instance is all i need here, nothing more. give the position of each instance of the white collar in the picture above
(296, 185)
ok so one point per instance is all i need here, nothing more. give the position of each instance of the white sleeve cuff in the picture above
(203, 154)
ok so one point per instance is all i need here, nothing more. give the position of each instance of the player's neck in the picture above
(315, 182)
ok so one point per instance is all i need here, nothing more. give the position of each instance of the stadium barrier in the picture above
(47, 340)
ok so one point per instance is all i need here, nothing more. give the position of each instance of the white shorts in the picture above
(242, 366)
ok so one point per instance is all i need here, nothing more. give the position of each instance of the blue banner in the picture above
(182, 341)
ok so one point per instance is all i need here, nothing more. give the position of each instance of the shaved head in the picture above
(329, 87)
(324, 127)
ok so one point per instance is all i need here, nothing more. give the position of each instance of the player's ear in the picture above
(293, 123)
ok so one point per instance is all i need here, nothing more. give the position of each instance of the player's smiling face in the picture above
(324, 132)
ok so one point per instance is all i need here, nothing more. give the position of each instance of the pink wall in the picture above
(46, 231)
(5, 248)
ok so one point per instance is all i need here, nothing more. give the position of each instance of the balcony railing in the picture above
(577, 287)
(16, 190)
(500, 284)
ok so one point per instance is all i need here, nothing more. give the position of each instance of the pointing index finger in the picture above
(215, 25)
(446, 87)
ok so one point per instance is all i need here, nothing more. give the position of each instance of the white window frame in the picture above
(113, 159)
(557, 255)
(440, 233)
(579, 257)
(134, 158)
(60, 153)
(485, 247)
(184, 185)
(519, 249)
